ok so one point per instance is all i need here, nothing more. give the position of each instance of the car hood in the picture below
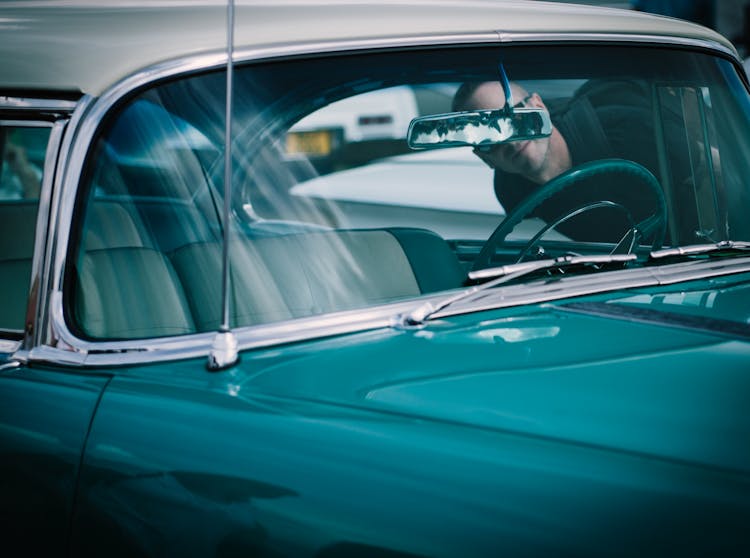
(566, 373)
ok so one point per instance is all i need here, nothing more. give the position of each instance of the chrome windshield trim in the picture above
(275, 51)
(56, 343)
(217, 60)
(37, 105)
(60, 217)
(614, 38)
(40, 264)
(281, 50)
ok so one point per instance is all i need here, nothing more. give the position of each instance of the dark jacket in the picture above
(603, 120)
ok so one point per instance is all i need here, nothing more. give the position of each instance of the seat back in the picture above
(130, 293)
(126, 289)
(434, 263)
(256, 295)
(110, 225)
(295, 275)
(17, 233)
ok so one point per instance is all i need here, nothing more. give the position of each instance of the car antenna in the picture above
(224, 352)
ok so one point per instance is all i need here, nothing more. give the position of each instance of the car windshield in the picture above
(337, 205)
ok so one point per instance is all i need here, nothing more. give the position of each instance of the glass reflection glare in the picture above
(517, 334)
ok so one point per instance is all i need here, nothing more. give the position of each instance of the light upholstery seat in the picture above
(129, 293)
(170, 223)
(110, 225)
(126, 289)
(280, 277)
(256, 295)
(164, 224)
(435, 265)
(343, 269)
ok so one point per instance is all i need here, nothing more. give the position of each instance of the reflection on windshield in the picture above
(518, 335)
(332, 211)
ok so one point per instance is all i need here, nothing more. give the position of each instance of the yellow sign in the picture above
(311, 143)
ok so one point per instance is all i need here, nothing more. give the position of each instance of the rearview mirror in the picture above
(478, 127)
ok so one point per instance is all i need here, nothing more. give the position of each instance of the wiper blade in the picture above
(562, 263)
(718, 248)
(510, 272)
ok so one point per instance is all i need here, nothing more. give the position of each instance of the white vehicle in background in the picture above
(358, 147)
(359, 129)
(395, 189)
(376, 115)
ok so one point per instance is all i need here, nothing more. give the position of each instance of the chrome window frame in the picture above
(28, 113)
(55, 343)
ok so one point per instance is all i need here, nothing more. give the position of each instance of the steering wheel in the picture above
(605, 171)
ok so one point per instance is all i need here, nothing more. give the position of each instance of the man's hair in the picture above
(464, 93)
(467, 89)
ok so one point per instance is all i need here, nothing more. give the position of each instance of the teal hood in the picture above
(650, 374)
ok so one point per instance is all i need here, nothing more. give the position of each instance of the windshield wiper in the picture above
(506, 273)
(561, 263)
(716, 248)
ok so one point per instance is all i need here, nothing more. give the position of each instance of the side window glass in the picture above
(695, 199)
(148, 197)
(705, 161)
(23, 149)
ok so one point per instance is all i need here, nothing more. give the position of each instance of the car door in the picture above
(45, 412)
(44, 421)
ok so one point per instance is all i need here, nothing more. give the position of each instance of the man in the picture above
(602, 121)
(538, 161)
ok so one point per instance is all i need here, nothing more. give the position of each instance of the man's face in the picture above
(517, 157)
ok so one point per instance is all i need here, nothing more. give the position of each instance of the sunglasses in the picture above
(522, 102)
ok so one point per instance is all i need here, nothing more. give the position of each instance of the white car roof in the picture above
(89, 45)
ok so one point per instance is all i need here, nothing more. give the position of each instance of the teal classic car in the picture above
(220, 337)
